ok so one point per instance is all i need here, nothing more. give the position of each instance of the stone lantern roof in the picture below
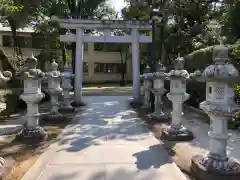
(160, 71)
(159, 74)
(178, 71)
(147, 69)
(31, 70)
(54, 65)
(54, 73)
(221, 69)
(160, 67)
(146, 73)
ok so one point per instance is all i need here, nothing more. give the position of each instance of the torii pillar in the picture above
(135, 65)
(78, 79)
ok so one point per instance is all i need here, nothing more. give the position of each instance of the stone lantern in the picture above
(55, 90)
(66, 78)
(158, 90)
(219, 106)
(178, 76)
(32, 95)
(146, 88)
(4, 78)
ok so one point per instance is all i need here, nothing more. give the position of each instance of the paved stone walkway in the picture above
(106, 142)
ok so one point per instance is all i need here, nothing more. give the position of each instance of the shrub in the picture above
(13, 103)
(234, 122)
(237, 94)
(196, 91)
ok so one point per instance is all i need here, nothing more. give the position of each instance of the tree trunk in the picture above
(73, 56)
(14, 36)
(73, 52)
(123, 69)
(64, 58)
(63, 49)
(16, 44)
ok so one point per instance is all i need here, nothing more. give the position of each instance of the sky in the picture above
(117, 4)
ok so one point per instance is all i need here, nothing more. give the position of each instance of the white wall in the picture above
(90, 57)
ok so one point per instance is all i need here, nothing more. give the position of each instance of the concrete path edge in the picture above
(35, 172)
(37, 169)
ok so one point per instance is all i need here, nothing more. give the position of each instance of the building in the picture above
(102, 62)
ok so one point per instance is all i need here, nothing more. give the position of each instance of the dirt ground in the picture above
(20, 156)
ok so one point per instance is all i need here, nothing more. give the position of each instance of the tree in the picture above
(123, 50)
(63, 8)
(230, 12)
(76, 9)
(183, 23)
(8, 7)
(47, 33)
(18, 14)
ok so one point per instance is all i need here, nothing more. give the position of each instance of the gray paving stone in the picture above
(10, 129)
(130, 172)
(108, 142)
(73, 172)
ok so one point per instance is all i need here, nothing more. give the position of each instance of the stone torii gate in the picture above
(107, 26)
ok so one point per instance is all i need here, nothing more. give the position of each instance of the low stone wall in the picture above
(9, 101)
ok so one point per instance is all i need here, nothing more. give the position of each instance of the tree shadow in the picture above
(61, 176)
(145, 160)
(94, 134)
(102, 120)
(152, 158)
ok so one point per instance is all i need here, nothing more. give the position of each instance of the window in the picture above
(99, 68)
(7, 41)
(37, 42)
(113, 68)
(24, 42)
(85, 67)
(107, 68)
(98, 46)
(106, 47)
(69, 46)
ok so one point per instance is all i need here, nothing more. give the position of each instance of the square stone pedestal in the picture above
(202, 173)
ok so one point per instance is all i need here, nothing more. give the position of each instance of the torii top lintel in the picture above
(101, 24)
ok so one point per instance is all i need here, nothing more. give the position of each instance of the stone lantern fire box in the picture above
(178, 77)
(32, 95)
(66, 78)
(219, 106)
(55, 90)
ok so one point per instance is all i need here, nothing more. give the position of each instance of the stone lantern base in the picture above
(136, 104)
(32, 135)
(54, 118)
(202, 168)
(161, 117)
(78, 104)
(177, 134)
(66, 109)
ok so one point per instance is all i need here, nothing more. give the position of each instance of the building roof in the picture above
(8, 29)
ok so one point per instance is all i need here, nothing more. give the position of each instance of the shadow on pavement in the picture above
(151, 158)
(103, 121)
